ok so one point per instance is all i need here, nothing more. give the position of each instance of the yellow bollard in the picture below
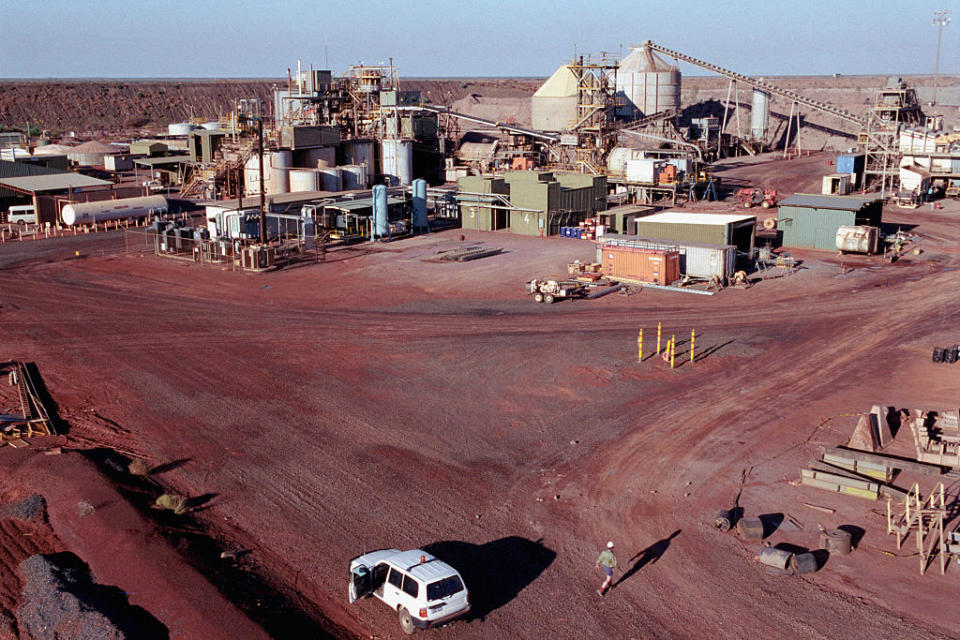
(658, 338)
(693, 337)
(640, 346)
(673, 349)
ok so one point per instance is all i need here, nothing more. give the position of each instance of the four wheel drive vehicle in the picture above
(21, 214)
(749, 197)
(424, 591)
(550, 290)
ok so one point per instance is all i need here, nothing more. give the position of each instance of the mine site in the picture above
(646, 347)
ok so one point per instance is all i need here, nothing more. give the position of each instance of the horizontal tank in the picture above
(211, 126)
(104, 210)
(180, 128)
(619, 156)
(862, 239)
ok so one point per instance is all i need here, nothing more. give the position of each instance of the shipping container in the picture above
(697, 260)
(630, 264)
(644, 170)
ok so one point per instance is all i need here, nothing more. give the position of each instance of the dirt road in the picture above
(379, 400)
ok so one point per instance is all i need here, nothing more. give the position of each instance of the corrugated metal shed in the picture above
(809, 220)
(708, 228)
(52, 182)
(161, 161)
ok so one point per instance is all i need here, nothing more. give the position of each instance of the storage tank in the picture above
(360, 152)
(649, 83)
(554, 105)
(760, 114)
(380, 212)
(90, 154)
(619, 156)
(281, 163)
(330, 179)
(304, 180)
(420, 205)
(124, 209)
(320, 157)
(354, 176)
(861, 239)
(180, 128)
(210, 126)
(397, 161)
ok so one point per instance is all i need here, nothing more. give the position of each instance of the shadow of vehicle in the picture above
(494, 572)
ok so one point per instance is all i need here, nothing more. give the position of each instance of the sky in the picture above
(441, 38)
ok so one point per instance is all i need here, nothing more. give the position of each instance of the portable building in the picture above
(473, 196)
(621, 219)
(706, 228)
(633, 264)
(836, 183)
(810, 220)
(696, 260)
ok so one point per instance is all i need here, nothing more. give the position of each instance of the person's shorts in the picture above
(608, 571)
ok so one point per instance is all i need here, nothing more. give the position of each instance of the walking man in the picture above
(607, 562)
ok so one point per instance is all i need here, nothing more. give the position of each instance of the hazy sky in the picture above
(241, 38)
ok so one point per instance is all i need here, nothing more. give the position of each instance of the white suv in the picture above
(424, 591)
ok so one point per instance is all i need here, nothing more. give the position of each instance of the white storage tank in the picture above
(554, 105)
(304, 180)
(619, 156)
(211, 126)
(330, 179)
(397, 161)
(180, 128)
(124, 209)
(649, 83)
(354, 176)
(760, 114)
(861, 239)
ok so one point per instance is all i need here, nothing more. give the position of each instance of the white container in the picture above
(397, 156)
(861, 239)
(644, 171)
(304, 180)
(124, 209)
(696, 260)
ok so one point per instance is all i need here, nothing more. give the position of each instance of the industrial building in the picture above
(738, 230)
(535, 203)
(811, 220)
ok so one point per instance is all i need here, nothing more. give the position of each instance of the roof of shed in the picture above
(681, 217)
(816, 201)
(52, 182)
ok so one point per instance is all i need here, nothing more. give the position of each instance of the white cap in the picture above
(610, 545)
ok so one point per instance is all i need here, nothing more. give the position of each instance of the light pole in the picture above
(941, 18)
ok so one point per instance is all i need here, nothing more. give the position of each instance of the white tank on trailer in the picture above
(103, 210)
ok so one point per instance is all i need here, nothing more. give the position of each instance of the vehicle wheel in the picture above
(21, 224)
(747, 205)
(406, 621)
(765, 205)
(538, 297)
(548, 298)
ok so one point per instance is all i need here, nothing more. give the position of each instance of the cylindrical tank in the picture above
(380, 212)
(397, 158)
(554, 105)
(777, 558)
(281, 180)
(251, 176)
(304, 180)
(861, 239)
(126, 208)
(280, 165)
(320, 157)
(354, 177)
(619, 156)
(648, 83)
(760, 114)
(420, 205)
(180, 128)
(360, 152)
(211, 126)
(330, 179)
(836, 541)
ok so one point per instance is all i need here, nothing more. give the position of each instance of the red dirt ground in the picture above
(380, 400)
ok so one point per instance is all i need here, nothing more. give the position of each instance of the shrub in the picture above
(139, 467)
(172, 502)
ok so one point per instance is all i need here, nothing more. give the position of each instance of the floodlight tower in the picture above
(941, 18)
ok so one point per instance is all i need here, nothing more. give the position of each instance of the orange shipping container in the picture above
(641, 265)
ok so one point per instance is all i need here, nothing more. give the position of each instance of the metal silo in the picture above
(380, 212)
(420, 205)
(649, 83)
(397, 161)
(330, 179)
(360, 152)
(354, 177)
(760, 114)
(280, 162)
(554, 106)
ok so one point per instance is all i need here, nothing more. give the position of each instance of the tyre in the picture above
(406, 621)
(747, 205)
(548, 298)
(766, 204)
(21, 224)
(538, 297)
